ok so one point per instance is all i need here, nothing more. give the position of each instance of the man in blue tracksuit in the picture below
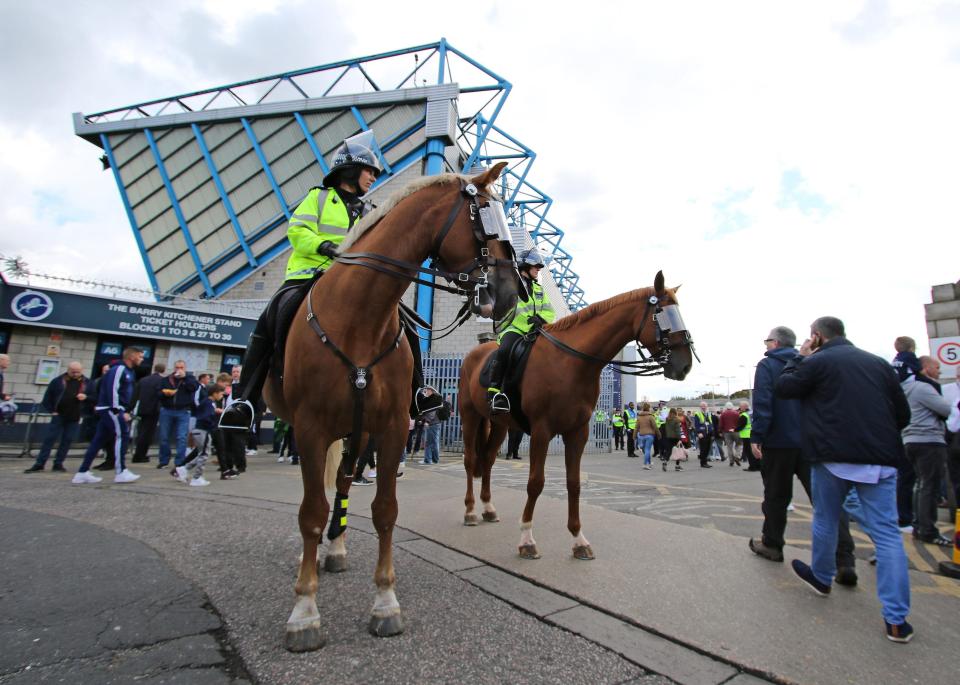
(114, 401)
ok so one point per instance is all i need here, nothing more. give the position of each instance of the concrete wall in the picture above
(943, 317)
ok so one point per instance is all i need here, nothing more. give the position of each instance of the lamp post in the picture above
(728, 384)
(749, 382)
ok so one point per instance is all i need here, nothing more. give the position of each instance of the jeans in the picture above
(112, 433)
(928, 459)
(431, 452)
(179, 421)
(878, 516)
(57, 428)
(645, 443)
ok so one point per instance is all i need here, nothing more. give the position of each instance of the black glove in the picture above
(536, 320)
(327, 248)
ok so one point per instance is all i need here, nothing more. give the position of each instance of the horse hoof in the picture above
(386, 626)
(529, 552)
(471, 520)
(335, 563)
(491, 517)
(304, 637)
(584, 553)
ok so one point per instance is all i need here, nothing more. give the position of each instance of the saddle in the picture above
(283, 307)
(517, 358)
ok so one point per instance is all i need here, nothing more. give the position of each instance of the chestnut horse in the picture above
(350, 319)
(559, 392)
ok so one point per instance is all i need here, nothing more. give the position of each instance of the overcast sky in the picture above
(781, 160)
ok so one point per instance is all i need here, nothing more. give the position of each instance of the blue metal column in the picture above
(266, 167)
(434, 165)
(175, 203)
(224, 198)
(130, 215)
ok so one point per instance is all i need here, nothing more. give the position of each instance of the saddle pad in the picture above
(512, 378)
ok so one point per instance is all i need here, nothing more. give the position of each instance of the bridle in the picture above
(462, 276)
(652, 365)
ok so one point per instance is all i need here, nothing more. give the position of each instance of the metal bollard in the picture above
(952, 568)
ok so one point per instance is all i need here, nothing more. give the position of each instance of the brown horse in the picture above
(559, 392)
(355, 309)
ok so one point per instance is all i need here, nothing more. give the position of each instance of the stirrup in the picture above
(423, 404)
(237, 417)
(499, 403)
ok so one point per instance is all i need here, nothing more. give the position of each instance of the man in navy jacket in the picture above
(776, 441)
(63, 399)
(853, 412)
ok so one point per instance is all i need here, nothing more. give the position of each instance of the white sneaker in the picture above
(372, 473)
(181, 473)
(82, 477)
(790, 507)
(250, 453)
(125, 476)
(280, 460)
(906, 529)
(199, 482)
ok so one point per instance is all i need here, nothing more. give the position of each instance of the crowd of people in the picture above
(671, 434)
(180, 409)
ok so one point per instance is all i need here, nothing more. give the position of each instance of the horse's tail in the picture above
(334, 455)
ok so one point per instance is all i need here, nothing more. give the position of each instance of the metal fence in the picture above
(443, 373)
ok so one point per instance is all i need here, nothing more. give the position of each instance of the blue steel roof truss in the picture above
(479, 138)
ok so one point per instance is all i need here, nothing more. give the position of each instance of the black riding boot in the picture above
(499, 402)
(256, 363)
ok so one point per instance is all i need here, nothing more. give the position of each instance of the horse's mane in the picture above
(371, 219)
(598, 308)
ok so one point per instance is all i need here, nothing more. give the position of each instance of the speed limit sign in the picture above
(946, 351)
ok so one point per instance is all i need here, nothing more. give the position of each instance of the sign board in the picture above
(79, 312)
(947, 352)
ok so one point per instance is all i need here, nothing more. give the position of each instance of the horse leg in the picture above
(471, 423)
(385, 618)
(494, 440)
(303, 632)
(573, 443)
(336, 559)
(539, 441)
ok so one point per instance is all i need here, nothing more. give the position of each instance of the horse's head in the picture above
(661, 330)
(478, 244)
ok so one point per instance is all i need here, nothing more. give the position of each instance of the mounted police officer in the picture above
(319, 224)
(533, 310)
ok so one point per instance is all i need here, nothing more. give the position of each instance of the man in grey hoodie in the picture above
(924, 439)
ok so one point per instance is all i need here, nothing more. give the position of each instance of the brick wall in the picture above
(28, 345)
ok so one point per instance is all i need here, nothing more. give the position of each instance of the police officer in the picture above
(533, 309)
(317, 227)
(616, 421)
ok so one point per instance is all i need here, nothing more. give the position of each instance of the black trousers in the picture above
(705, 442)
(929, 460)
(145, 433)
(233, 456)
(618, 437)
(514, 437)
(366, 459)
(906, 481)
(778, 467)
(631, 444)
(747, 455)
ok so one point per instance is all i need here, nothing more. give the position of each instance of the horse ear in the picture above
(489, 176)
(658, 283)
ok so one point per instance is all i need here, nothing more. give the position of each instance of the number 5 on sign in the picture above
(946, 351)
